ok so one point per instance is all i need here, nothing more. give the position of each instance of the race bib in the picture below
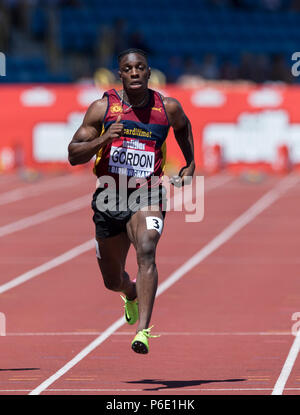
(132, 157)
(153, 222)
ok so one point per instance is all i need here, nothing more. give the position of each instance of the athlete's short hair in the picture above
(132, 50)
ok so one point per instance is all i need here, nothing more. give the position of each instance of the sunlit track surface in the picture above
(225, 317)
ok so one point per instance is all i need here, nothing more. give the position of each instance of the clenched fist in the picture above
(114, 131)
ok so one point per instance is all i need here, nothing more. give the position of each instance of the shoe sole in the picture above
(139, 347)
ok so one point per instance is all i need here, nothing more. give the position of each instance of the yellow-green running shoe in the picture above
(140, 343)
(131, 310)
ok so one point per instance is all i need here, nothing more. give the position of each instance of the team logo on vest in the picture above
(115, 108)
(156, 109)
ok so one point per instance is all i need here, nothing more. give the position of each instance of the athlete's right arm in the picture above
(88, 140)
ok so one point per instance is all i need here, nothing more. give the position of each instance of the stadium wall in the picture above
(234, 125)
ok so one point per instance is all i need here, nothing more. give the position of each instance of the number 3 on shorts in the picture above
(153, 222)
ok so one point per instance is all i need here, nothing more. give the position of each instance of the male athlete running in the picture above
(127, 130)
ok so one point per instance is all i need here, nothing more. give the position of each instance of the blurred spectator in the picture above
(4, 30)
(209, 68)
(262, 70)
(191, 66)
(71, 3)
(13, 9)
(111, 40)
(105, 47)
(219, 3)
(295, 6)
(237, 4)
(247, 67)
(280, 71)
(33, 27)
(175, 69)
(120, 36)
(81, 69)
(271, 5)
(245, 4)
(228, 70)
(138, 41)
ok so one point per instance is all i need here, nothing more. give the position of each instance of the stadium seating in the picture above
(169, 28)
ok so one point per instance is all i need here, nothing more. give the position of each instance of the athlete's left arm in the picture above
(184, 137)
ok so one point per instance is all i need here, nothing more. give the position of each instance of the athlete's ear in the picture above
(120, 74)
(149, 72)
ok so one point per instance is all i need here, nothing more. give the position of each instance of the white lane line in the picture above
(163, 333)
(263, 203)
(287, 367)
(45, 215)
(40, 188)
(81, 355)
(164, 389)
(161, 389)
(55, 262)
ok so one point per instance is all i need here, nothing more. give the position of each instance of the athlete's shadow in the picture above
(173, 384)
(19, 369)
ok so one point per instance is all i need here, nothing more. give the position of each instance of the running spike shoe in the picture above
(131, 310)
(140, 343)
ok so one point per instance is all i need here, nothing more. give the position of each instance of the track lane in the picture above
(231, 352)
(13, 187)
(226, 365)
(32, 247)
(15, 206)
(30, 302)
(212, 223)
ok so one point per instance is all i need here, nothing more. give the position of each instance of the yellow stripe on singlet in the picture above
(164, 152)
(99, 154)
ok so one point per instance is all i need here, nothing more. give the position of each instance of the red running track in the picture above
(225, 320)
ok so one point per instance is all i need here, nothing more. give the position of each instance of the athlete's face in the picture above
(134, 72)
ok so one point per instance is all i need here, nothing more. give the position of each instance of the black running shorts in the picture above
(113, 211)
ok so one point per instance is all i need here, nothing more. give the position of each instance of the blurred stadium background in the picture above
(227, 61)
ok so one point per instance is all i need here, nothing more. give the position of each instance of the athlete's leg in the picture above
(111, 259)
(145, 237)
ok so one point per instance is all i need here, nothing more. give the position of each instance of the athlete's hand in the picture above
(114, 131)
(184, 177)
